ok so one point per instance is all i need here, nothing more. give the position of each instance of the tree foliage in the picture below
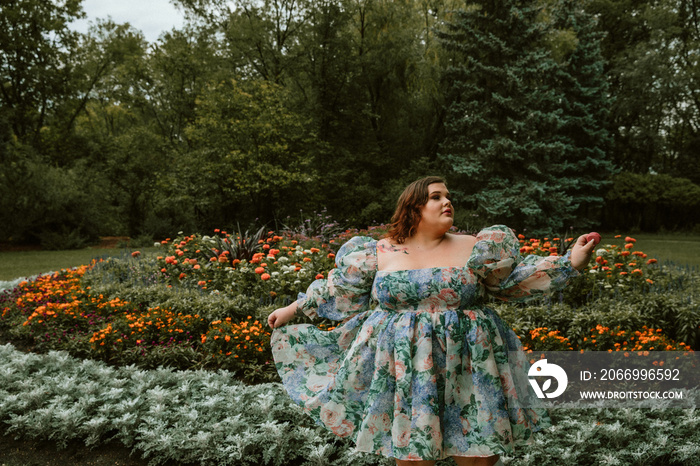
(256, 109)
(525, 141)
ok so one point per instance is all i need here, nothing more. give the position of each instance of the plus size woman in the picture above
(420, 369)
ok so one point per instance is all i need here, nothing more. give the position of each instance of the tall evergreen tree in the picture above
(587, 161)
(512, 149)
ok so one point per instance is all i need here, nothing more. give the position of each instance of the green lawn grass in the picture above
(16, 264)
(682, 250)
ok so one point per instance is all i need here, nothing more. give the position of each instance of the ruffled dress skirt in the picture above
(426, 372)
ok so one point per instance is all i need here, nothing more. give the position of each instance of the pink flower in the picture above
(449, 296)
(345, 429)
(332, 414)
(400, 368)
(424, 364)
(401, 440)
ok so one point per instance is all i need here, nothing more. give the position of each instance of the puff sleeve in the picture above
(347, 290)
(511, 277)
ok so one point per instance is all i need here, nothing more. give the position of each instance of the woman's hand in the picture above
(281, 316)
(583, 250)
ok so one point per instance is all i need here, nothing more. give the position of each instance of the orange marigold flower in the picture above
(625, 253)
(136, 254)
(652, 261)
(630, 240)
(629, 246)
(259, 270)
(319, 276)
(265, 276)
(637, 271)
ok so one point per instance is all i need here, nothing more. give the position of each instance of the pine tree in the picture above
(508, 146)
(587, 161)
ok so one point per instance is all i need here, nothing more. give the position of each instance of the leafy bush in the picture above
(58, 312)
(319, 226)
(649, 201)
(63, 239)
(192, 417)
(617, 339)
(279, 272)
(204, 417)
(615, 270)
(543, 339)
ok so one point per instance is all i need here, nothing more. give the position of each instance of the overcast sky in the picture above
(151, 17)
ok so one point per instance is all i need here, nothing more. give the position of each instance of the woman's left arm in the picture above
(509, 276)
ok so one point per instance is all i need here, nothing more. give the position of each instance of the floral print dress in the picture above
(419, 367)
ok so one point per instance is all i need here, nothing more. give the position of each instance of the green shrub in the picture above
(205, 417)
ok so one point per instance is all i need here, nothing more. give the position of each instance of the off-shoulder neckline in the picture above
(460, 267)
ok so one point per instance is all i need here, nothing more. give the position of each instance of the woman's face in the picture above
(438, 211)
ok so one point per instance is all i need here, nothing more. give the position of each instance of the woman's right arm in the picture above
(281, 316)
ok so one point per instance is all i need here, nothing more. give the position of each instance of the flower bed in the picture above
(203, 302)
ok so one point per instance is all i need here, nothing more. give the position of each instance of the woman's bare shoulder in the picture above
(386, 245)
(462, 239)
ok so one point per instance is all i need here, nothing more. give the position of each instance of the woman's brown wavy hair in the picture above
(407, 214)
